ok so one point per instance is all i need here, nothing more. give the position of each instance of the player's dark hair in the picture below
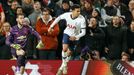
(75, 6)
(20, 15)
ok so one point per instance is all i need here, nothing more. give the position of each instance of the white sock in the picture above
(64, 62)
(64, 54)
(64, 57)
(68, 58)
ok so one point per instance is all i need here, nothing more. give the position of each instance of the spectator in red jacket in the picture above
(49, 39)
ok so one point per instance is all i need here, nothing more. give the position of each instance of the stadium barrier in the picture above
(75, 67)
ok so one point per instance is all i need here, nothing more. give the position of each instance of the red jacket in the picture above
(49, 40)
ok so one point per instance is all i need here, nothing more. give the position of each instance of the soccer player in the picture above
(17, 40)
(74, 30)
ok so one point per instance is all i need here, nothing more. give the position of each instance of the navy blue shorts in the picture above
(65, 39)
(72, 44)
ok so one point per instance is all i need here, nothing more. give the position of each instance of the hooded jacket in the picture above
(49, 39)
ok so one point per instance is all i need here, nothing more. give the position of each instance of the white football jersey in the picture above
(74, 26)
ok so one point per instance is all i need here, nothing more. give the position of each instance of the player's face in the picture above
(76, 12)
(20, 19)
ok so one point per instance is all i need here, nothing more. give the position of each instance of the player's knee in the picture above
(65, 49)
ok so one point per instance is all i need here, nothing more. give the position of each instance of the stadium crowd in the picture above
(109, 28)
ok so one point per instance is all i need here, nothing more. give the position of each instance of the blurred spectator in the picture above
(94, 37)
(88, 8)
(2, 16)
(121, 6)
(19, 10)
(59, 3)
(35, 14)
(99, 4)
(65, 7)
(82, 2)
(126, 2)
(116, 42)
(96, 14)
(5, 52)
(6, 31)
(131, 5)
(49, 39)
(6, 28)
(125, 57)
(26, 21)
(11, 13)
(4, 2)
(52, 5)
(130, 41)
(132, 15)
(123, 10)
(109, 10)
(31, 42)
(27, 6)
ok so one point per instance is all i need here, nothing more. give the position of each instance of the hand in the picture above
(40, 45)
(20, 52)
(90, 25)
(91, 33)
(106, 50)
(122, 21)
(131, 51)
(72, 38)
(50, 29)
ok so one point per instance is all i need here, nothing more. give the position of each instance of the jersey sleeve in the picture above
(83, 23)
(83, 29)
(63, 16)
